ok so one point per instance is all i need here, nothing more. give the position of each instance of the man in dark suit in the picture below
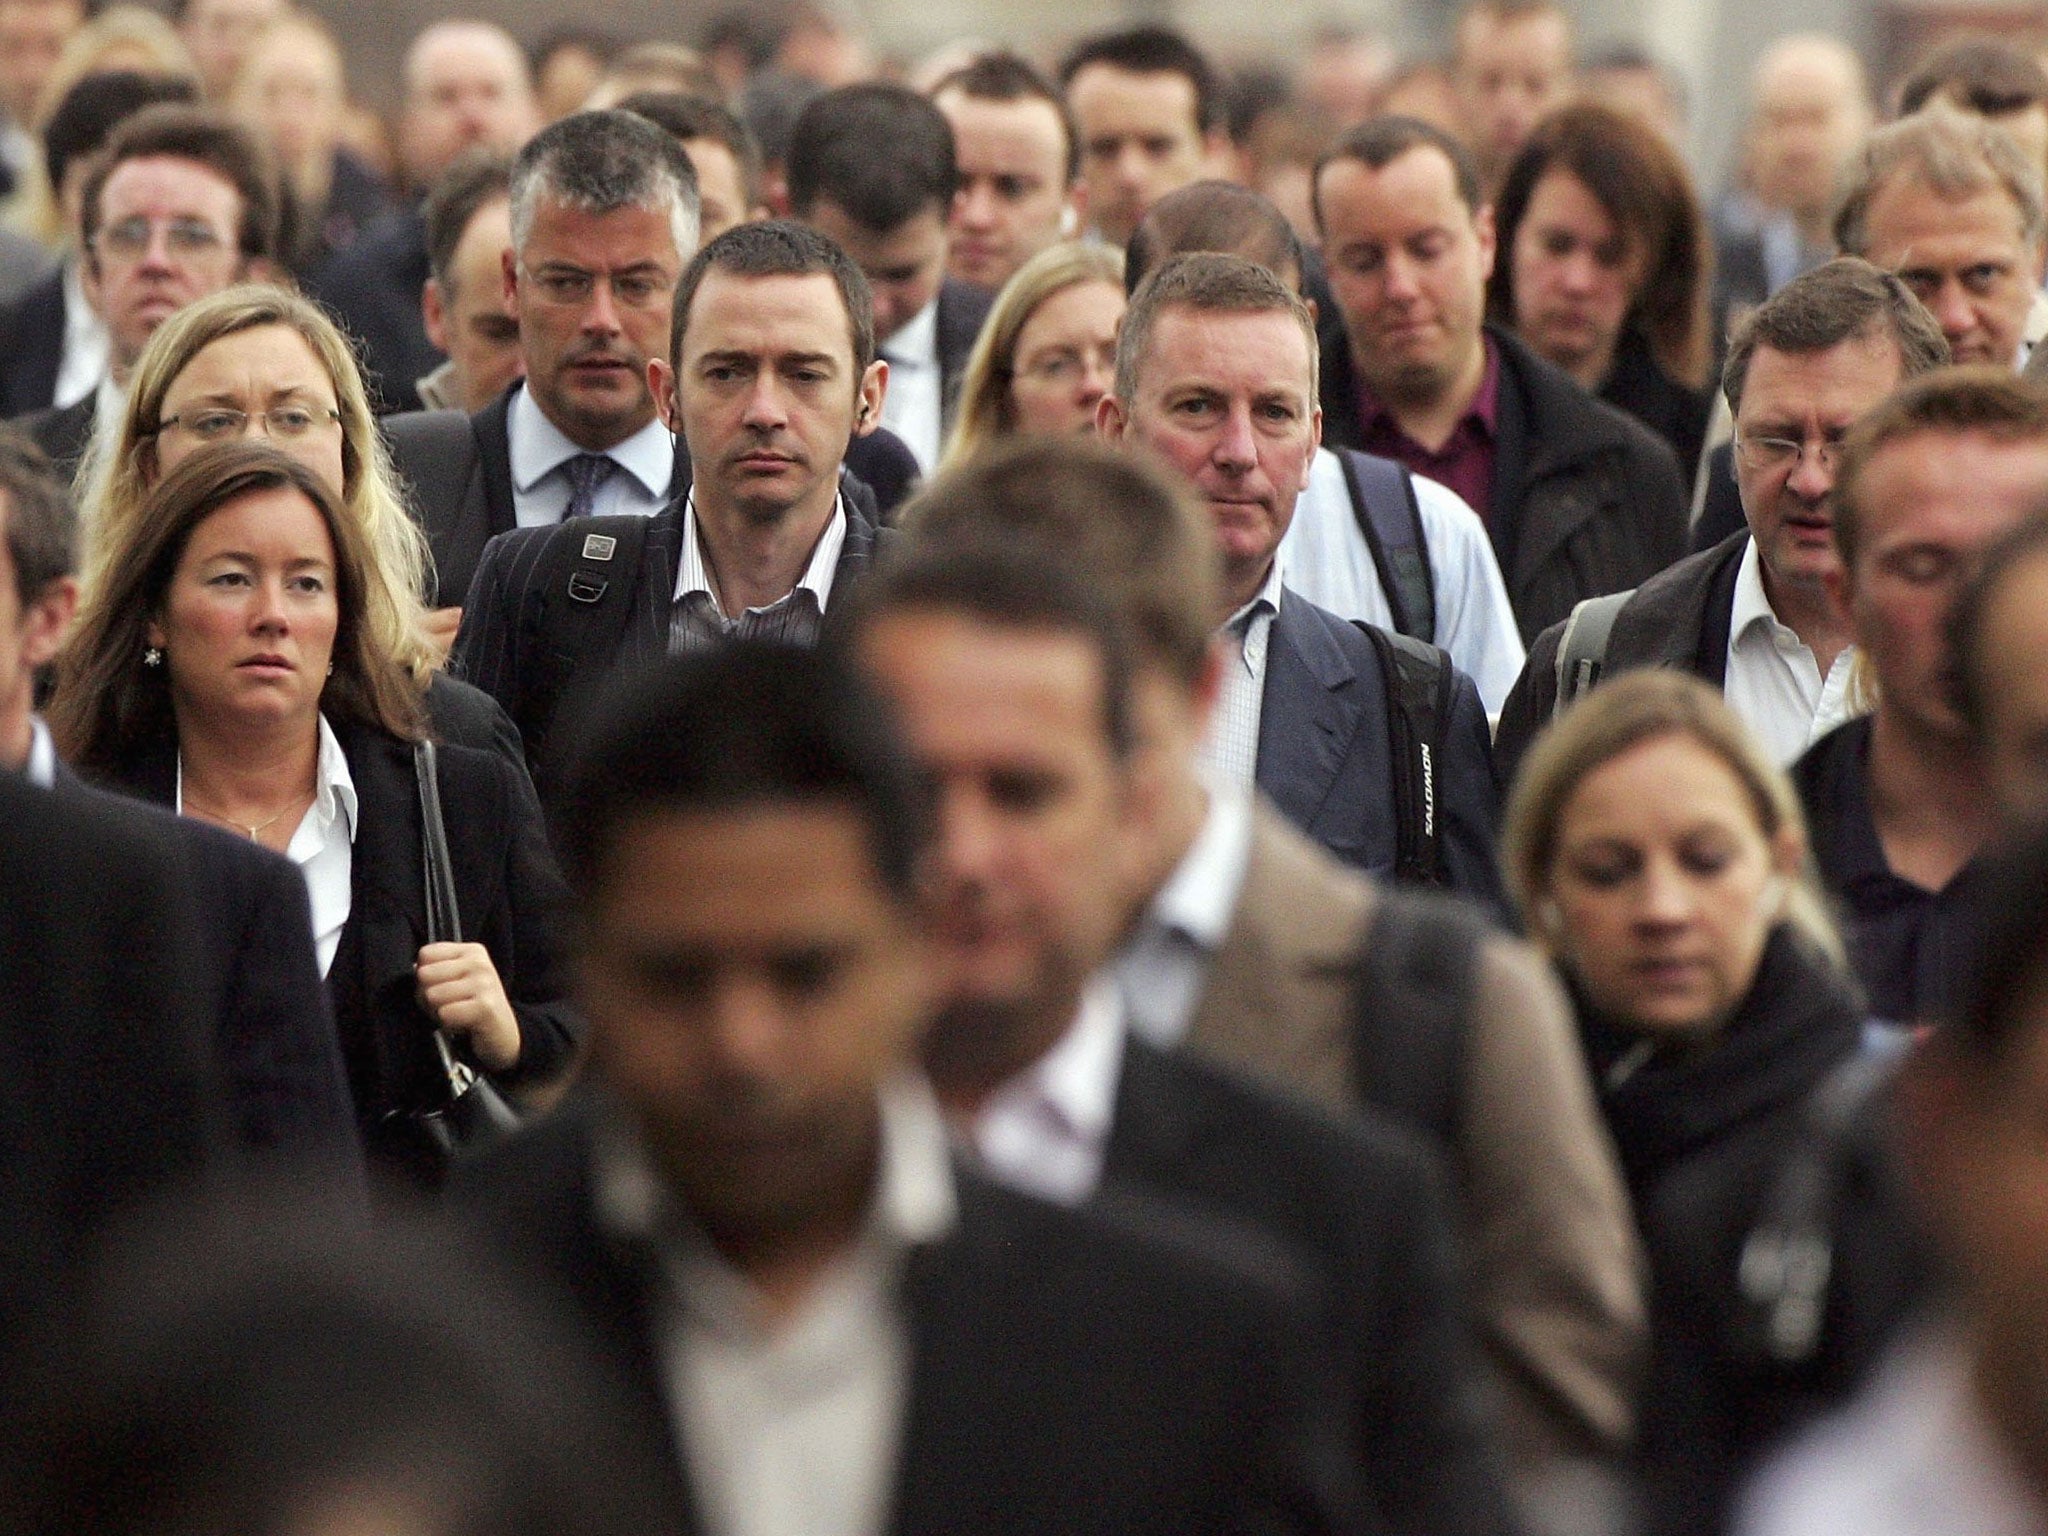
(1580, 499)
(1216, 367)
(1011, 677)
(872, 167)
(251, 975)
(772, 373)
(757, 1177)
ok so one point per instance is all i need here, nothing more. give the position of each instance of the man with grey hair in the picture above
(1752, 614)
(604, 219)
(1952, 204)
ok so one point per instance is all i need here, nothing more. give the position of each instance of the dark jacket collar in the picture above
(1681, 616)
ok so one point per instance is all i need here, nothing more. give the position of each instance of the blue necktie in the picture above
(587, 471)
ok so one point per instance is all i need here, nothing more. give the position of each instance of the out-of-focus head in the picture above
(604, 218)
(1424, 91)
(1951, 204)
(1512, 64)
(32, 38)
(567, 65)
(86, 116)
(887, 211)
(469, 232)
(466, 85)
(1819, 355)
(1047, 351)
(38, 592)
(1215, 216)
(1409, 245)
(1636, 82)
(1810, 109)
(745, 837)
(1600, 232)
(1652, 846)
(2000, 633)
(182, 203)
(1345, 74)
(222, 34)
(119, 39)
(1149, 109)
(293, 89)
(1989, 76)
(1019, 159)
(720, 146)
(659, 68)
(1928, 482)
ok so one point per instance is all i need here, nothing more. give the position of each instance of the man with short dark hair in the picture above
(818, 1321)
(182, 203)
(469, 230)
(1511, 64)
(1897, 801)
(719, 145)
(1019, 155)
(604, 218)
(1150, 113)
(1216, 375)
(1579, 498)
(770, 371)
(1752, 613)
(872, 167)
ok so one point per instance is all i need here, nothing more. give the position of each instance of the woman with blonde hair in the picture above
(1659, 855)
(1046, 353)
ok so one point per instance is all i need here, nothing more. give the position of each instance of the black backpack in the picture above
(1420, 681)
(1383, 501)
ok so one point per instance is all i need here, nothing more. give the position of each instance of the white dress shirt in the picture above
(86, 344)
(698, 619)
(1328, 562)
(1773, 681)
(323, 845)
(1045, 1131)
(1913, 1455)
(789, 1428)
(912, 406)
(1165, 965)
(41, 767)
(540, 483)
(1230, 752)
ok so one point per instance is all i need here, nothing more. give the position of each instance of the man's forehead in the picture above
(804, 306)
(1214, 345)
(1419, 183)
(1109, 89)
(455, 53)
(1860, 369)
(982, 124)
(148, 175)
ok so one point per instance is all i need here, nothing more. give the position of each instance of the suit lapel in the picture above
(1304, 727)
(492, 426)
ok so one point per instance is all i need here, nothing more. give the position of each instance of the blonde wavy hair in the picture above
(121, 467)
(986, 411)
(1618, 716)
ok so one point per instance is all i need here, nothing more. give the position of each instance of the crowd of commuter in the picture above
(751, 792)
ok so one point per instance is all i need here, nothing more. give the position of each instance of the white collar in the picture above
(1199, 898)
(693, 573)
(334, 792)
(539, 448)
(1752, 603)
(914, 1200)
(916, 342)
(1078, 1077)
(41, 767)
(1268, 593)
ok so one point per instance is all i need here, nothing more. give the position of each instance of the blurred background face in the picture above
(1810, 115)
(255, 371)
(1664, 888)
(220, 34)
(1966, 258)
(168, 234)
(2014, 687)
(721, 189)
(466, 85)
(32, 35)
(1013, 184)
(1140, 139)
(292, 91)
(1509, 72)
(1066, 359)
(904, 266)
(470, 320)
(749, 984)
(1576, 275)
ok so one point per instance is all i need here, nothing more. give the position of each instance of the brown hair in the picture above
(1209, 283)
(108, 703)
(1954, 153)
(1642, 185)
(212, 139)
(1846, 299)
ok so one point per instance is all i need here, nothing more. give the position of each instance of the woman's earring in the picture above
(153, 657)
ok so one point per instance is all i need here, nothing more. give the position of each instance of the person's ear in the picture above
(1482, 226)
(508, 268)
(874, 389)
(47, 620)
(434, 312)
(661, 383)
(1112, 421)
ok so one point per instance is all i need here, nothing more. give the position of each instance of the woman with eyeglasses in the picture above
(257, 361)
(229, 666)
(1047, 352)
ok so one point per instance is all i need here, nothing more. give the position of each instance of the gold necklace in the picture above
(240, 826)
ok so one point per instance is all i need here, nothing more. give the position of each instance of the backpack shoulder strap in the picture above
(1390, 518)
(576, 606)
(1582, 649)
(1420, 680)
(1417, 974)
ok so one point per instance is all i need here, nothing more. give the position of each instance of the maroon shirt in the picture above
(1465, 462)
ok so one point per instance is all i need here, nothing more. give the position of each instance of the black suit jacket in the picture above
(1358, 1204)
(63, 432)
(109, 1096)
(373, 287)
(257, 984)
(963, 310)
(459, 468)
(1326, 758)
(1072, 1372)
(32, 346)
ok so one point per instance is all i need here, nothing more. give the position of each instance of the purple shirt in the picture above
(1465, 462)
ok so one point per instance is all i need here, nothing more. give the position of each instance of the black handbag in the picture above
(475, 1115)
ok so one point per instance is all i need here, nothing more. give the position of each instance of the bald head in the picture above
(1811, 109)
(466, 84)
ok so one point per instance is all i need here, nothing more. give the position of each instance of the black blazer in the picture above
(509, 894)
(963, 310)
(63, 433)
(257, 984)
(373, 287)
(1326, 759)
(1358, 1204)
(32, 346)
(1072, 1372)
